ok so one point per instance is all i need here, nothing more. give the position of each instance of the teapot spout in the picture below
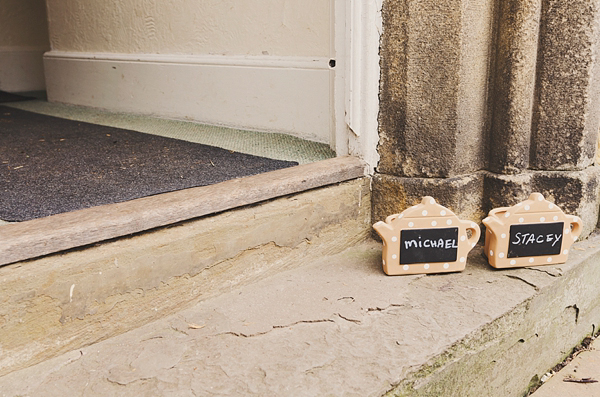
(384, 230)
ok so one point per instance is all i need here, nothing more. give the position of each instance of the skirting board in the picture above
(22, 69)
(289, 95)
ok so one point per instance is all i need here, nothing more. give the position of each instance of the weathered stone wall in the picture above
(483, 102)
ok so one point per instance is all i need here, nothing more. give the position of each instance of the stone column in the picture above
(561, 136)
(435, 58)
(566, 117)
(514, 85)
(474, 146)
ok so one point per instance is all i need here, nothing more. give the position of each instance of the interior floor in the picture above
(272, 145)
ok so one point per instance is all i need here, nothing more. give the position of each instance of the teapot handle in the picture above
(475, 232)
(576, 225)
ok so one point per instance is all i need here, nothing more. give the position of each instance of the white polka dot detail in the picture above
(507, 215)
(405, 267)
(540, 198)
(394, 256)
(443, 213)
(463, 238)
(549, 260)
(424, 212)
(566, 252)
(432, 201)
(550, 205)
(567, 231)
(513, 262)
(491, 253)
(426, 266)
(527, 208)
(501, 255)
(503, 235)
(394, 239)
(446, 265)
(542, 219)
(449, 222)
(530, 260)
(433, 223)
(555, 218)
(410, 224)
(462, 260)
(521, 220)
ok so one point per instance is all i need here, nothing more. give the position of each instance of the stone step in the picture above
(78, 278)
(579, 378)
(336, 325)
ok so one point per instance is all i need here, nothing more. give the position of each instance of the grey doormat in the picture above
(9, 97)
(50, 165)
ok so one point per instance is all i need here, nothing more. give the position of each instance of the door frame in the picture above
(357, 26)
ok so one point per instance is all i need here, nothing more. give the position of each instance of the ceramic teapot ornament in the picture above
(426, 238)
(533, 232)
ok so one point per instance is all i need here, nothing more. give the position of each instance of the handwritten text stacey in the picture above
(533, 238)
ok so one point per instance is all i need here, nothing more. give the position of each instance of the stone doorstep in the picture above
(38, 237)
(67, 300)
(339, 326)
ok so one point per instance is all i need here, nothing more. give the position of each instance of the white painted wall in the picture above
(256, 64)
(23, 40)
(278, 95)
(198, 27)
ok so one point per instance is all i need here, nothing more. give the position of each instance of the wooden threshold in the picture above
(42, 236)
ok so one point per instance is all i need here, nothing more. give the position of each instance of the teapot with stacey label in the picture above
(530, 233)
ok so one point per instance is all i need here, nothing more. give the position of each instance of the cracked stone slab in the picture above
(336, 326)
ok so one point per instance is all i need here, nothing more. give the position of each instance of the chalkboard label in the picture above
(428, 245)
(537, 239)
